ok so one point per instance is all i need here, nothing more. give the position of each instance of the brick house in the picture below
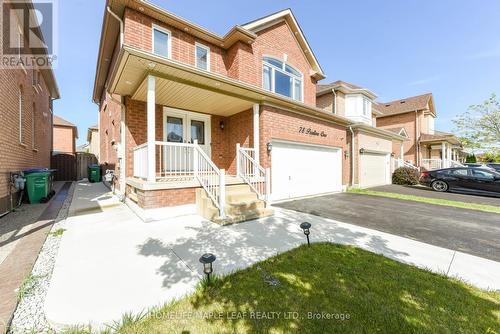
(65, 134)
(372, 148)
(191, 121)
(93, 140)
(415, 116)
(26, 96)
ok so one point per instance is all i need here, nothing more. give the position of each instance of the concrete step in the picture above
(238, 188)
(249, 215)
(241, 208)
(241, 197)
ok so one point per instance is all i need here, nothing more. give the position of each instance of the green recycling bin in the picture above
(37, 184)
(94, 172)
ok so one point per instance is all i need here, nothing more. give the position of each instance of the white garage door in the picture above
(375, 169)
(302, 170)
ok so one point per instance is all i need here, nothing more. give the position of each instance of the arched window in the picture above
(281, 78)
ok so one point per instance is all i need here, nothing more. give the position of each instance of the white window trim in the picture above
(207, 48)
(282, 70)
(169, 42)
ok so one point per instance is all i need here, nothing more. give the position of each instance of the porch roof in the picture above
(439, 137)
(186, 87)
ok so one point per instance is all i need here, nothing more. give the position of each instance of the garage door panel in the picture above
(374, 170)
(302, 170)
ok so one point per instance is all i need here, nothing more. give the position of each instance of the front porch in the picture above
(441, 154)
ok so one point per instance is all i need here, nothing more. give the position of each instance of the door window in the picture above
(175, 129)
(198, 131)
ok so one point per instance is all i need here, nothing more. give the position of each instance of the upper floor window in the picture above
(281, 78)
(358, 108)
(161, 41)
(431, 124)
(367, 107)
(202, 57)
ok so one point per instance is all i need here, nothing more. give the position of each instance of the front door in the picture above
(182, 126)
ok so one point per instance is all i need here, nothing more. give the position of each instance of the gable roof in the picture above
(245, 33)
(408, 104)
(344, 87)
(400, 131)
(287, 16)
(439, 136)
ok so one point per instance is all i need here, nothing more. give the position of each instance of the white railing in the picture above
(183, 162)
(454, 163)
(401, 163)
(431, 164)
(141, 161)
(252, 172)
(210, 177)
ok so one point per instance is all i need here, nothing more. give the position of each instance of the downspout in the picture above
(334, 108)
(122, 154)
(352, 156)
(121, 24)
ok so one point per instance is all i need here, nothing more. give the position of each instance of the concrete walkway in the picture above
(110, 262)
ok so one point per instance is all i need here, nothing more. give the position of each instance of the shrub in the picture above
(405, 176)
(471, 158)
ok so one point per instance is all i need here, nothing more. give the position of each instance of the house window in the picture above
(202, 57)
(281, 78)
(367, 107)
(21, 115)
(161, 42)
(431, 125)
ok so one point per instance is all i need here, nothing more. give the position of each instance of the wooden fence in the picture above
(71, 167)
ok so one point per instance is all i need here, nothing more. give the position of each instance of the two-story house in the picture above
(373, 148)
(65, 135)
(26, 96)
(192, 121)
(426, 147)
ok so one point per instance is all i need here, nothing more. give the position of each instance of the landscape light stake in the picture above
(207, 259)
(305, 226)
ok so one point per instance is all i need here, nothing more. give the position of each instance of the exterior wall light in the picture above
(207, 259)
(222, 125)
(362, 150)
(346, 154)
(305, 226)
(269, 147)
(393, 154)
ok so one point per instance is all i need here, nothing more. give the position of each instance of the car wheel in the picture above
(440, 186)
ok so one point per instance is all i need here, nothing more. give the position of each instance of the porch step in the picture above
(241, 205)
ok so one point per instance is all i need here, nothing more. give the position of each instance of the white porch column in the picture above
(443, 155)
(151, 106)
(402, 152)
(256, 133)
(448, 157)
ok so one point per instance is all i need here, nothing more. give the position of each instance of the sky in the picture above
(395, 48)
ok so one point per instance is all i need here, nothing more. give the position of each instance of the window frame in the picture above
(274, 68)
(207, 48)
(169, 41)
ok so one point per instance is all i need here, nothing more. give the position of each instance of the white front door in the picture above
(302, 170)
(180, 126)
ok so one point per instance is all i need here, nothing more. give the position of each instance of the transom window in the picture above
(281, 78)
(161, 41)
(202, 57)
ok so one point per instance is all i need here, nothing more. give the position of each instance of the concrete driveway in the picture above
(468, 231)
(428, 192)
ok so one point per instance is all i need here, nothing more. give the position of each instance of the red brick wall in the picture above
(278, 124)
(64, 139)
(152, 199)
(241, 61)
(138, 33)
(109, 130)
(36, 127)
(407, 121)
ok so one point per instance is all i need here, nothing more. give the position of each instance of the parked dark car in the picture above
(495, 166)
(479, 181)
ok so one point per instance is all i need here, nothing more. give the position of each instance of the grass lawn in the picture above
(360, 291)
(436, 201)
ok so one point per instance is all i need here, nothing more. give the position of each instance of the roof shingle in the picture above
(413, 103)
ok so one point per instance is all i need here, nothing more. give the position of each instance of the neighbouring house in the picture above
(372, 148)
(26, 96)
(83, 148)
(65, 135)
(415, 116)
(93, 140)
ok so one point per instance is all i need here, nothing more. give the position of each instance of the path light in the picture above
(207, 259)
(305, 226)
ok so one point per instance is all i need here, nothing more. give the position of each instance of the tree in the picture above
(471, 159)
(479, 127)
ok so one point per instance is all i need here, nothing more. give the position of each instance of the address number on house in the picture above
(311, 132)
